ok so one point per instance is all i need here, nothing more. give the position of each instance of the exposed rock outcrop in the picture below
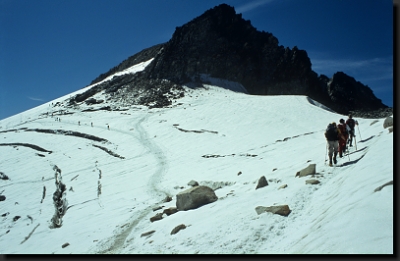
(221, 44)
(347, 94)
(59, 199)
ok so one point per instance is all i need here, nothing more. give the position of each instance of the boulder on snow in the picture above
(388, 122)
(157, 208)
(177, 229)
(147, 233)
(167, 199)
(2, 197)
(307, 171)
(262, 182)
(193, 183)
(195, 197)
(157, 217)
(312, 181)
(170, 211)
(283, 186)
(282, 210)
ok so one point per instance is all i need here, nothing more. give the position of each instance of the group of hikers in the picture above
(338, 136)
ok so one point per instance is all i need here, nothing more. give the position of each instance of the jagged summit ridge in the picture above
(221, 44)
(224, 45)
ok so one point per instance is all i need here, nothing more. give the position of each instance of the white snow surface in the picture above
(243, 137)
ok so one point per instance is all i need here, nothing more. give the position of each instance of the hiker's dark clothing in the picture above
(332, 137)
(343, 136)
(351, 123)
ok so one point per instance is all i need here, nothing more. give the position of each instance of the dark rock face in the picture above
(349, 94)
(221, 44)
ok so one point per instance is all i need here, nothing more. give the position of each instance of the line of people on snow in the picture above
(338, 136)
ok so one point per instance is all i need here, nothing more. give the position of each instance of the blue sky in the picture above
(51, 48)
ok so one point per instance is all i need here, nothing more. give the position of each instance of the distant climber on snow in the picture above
(343, 136)
(351, 123)
(332, 137)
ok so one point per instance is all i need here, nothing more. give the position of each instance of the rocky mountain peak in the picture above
(221, 20)
(221, 44)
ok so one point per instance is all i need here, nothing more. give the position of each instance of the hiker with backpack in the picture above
(351, 123)
(332, 138)
(343, 136)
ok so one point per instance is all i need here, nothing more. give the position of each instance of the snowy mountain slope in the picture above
(118, 166)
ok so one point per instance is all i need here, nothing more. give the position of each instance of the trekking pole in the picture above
(326, 151)
(348, 153)
(355, 142)
(359, 132)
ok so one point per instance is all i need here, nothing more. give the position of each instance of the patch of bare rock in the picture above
(282, 210)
